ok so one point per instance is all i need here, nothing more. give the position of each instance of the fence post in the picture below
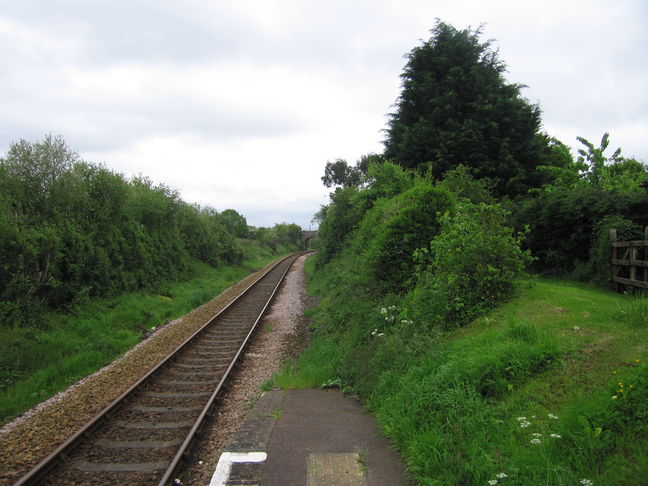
(613, 255)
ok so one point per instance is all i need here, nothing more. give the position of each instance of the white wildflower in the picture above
(501, 475)
(556, 436)
(383, 311)
(535, 441)
(576, 328)
(552, 416)
(587, 482)
(536, 434)
(521, 419)
(492, 482)
(525, 424)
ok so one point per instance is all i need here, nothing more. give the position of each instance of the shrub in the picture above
(397, 227)
(562, 223)
(597, 268)
(472, 264)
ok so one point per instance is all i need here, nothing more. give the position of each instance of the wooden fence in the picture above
(629, 261)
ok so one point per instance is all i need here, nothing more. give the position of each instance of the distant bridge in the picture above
(307, 236)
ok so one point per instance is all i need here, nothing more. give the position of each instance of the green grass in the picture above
(36, 362)
(463, 407)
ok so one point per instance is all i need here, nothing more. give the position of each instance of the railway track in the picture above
(143, 436)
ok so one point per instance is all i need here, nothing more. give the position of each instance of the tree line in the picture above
(72, 230)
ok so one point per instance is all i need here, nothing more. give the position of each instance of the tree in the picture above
(593, 168)
(235, 223)
(339, 173)
(611, 173)
(455, 108)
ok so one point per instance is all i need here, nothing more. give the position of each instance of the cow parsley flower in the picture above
(501, 475)
(587, 482)
(535, 441)
(552, 416)
(492, 482)
(556, 436)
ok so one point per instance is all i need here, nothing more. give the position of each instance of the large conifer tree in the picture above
(456, 108)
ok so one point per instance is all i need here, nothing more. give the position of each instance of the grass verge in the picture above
(38, 361)
(550, 388)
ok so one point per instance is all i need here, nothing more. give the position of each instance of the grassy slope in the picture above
(464, 407)
(37, 362)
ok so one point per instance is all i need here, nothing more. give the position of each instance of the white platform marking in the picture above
(224, 466)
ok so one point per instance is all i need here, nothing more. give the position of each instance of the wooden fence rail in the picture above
(629, 261)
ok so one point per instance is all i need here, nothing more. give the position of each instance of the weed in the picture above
(634, 311)
(275, 414)
(267, 385)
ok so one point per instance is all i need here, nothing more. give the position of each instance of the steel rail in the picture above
(175, 463)
(39, 471)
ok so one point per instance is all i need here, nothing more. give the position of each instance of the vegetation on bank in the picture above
(91, 260)
(478, 374)
(550, 388)
(72, 231)
(37, 362)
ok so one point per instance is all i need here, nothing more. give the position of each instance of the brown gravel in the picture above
(34, 435)
(283, 334)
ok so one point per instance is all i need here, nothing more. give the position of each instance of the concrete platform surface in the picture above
(309, 438)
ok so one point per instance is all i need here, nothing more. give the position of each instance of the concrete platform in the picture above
(309, 438)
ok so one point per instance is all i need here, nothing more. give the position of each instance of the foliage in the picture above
(634, 312)
(395, 228)
(348, 205)
(339, 173)
(592, 168)
(456, 107)
(70, 230)
(563, 224)
(595, 158)
(461, 182)
(596, 268)
(36, 363)
(235, 223)
(472, 263)
(522, 395)
(281, 234)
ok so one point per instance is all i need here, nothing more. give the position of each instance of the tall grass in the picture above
(635, 311)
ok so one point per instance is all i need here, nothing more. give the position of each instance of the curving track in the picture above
(143, 436)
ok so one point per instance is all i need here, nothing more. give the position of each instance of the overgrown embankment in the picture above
(551, 388)
(38, 361)
(90, 259)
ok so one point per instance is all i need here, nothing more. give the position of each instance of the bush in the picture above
(563, 224)
(597, 268)
(395, 228)
(70, 230)
(471, 266)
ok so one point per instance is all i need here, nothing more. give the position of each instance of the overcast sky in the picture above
(240, 103)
